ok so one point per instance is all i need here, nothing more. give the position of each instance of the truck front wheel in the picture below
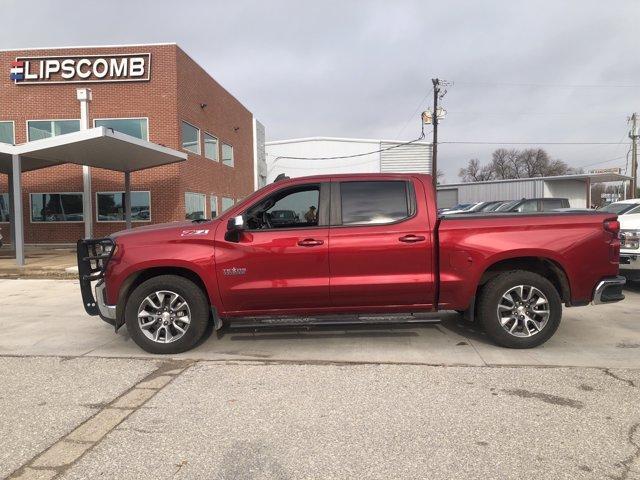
(167, 314)
(519, 309)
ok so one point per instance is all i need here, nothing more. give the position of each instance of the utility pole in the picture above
(633, 134)
(434, 144)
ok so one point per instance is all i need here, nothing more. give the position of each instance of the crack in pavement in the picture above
(607, 371)
(70, 448)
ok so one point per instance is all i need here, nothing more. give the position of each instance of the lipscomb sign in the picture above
(81, 69)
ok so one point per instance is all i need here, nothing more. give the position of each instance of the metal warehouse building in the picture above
(576, 188)
(300, 157)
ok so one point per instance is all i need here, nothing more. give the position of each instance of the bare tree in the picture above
(512, 163)
(473, 172)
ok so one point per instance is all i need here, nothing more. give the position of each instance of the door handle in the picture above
(412, 238)
(310, 242)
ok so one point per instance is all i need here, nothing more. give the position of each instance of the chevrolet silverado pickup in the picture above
(359, 244)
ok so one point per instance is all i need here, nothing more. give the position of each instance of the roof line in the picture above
(68, 47)
(574, 176)
(340, 139)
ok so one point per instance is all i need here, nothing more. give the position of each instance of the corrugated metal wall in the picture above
(414, 158)
(480, 192)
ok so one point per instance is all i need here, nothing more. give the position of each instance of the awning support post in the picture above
(12, 223)
(18, 220)
(127, 199)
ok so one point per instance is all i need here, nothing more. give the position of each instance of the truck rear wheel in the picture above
(167, 314)
(519, 309)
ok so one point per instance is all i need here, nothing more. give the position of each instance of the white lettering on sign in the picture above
(81, 69)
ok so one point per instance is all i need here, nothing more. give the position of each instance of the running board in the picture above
(333, 320)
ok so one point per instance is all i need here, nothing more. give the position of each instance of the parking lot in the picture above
(431, 401)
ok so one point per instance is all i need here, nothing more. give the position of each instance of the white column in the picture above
(127, 199)
(12, 223)
(84, 96)
(18, 219)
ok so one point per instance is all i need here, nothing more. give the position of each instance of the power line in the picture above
(355, 155)
(545, 85)
(415, 112)
(529, 143)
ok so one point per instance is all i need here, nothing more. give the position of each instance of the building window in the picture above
(56, 207)
(39, 129)
(4, 207)
(136, 127)
(111, 206)
(195, 207)
(227, 155)
(190, 138)
(227, 203)
(211, 147)
(6, 133)
(213, 206)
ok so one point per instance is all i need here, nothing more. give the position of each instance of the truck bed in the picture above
(573, 243)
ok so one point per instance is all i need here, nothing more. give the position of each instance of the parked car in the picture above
(531, 205)
(284, 217)
(623, 207)
(461, 208)
(377, 246)
(630, 245)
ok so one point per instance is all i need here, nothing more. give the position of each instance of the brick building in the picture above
(154, 92)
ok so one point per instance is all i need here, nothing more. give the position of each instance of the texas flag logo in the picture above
(17, 70)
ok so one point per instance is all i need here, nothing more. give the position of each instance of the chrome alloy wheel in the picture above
(523, 311)
(164, 316)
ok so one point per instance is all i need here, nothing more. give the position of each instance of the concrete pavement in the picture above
(260, 420)
(45, 317)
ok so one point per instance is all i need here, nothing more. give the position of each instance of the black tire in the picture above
(491, 295)
(190, 292)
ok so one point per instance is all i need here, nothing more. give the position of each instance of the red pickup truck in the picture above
(357, 244)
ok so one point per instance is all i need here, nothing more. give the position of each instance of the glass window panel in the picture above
(210, 147)
(6, 133)
(373, 202)
(136, 127)
(213, 206)
(39, 129)
(528, 206)
(227, 155)
(56, 207)
(190, 138)
(227, 203)
(111, 207)
(4, 207)
(194, 206)
(550, 204)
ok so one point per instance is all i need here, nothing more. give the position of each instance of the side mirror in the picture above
(236, 224)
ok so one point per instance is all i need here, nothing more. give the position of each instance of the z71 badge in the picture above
(193, 233)
(234, 271)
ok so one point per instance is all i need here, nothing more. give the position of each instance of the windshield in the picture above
(507, 206)
(619, 207)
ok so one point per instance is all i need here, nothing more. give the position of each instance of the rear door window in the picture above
(550, 204)
(375, 203)
(528, 206)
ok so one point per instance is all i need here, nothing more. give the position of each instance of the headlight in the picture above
(629, 239)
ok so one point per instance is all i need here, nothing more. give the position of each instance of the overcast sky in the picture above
(523, 71)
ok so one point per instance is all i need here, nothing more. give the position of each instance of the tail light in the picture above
(612, 226)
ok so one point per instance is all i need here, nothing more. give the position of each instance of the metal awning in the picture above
(99, 147)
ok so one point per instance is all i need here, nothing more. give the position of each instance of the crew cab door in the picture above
(381, 251)
(280, 261)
